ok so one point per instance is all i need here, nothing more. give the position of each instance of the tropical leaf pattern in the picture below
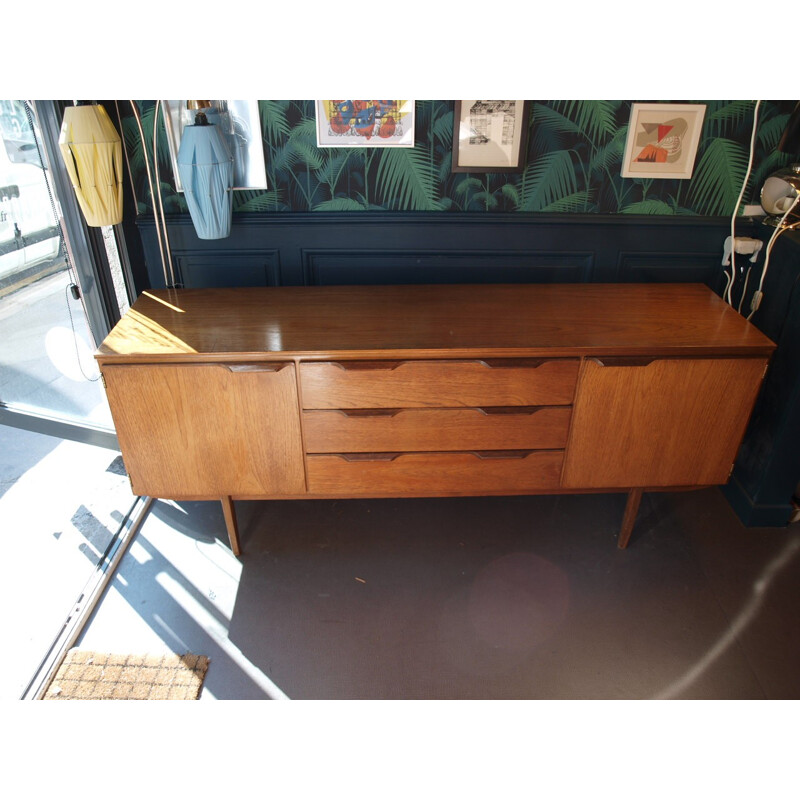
(573, 164)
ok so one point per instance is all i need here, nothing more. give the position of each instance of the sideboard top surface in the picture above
(504, 320)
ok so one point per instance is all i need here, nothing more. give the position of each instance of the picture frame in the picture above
(365, 123)
(662, 140)
(242, 128)
(490, 135)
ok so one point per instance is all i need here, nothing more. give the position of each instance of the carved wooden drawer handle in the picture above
(501, 454)
(625, 361)
(256, 367)
(507, 363)
(510, 410)
(363, 366)
(370, 412)
(368, 456)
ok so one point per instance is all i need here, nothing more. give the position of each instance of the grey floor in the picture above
(473, 598)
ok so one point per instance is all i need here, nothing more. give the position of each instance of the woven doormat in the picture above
(85, 675)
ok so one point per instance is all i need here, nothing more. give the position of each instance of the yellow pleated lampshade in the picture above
(92, 152)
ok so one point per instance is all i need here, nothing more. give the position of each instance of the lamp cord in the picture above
(780, 228)
(731, 279)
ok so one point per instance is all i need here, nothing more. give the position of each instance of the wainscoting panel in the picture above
(325, 268)
(677, 267)
(203, 269)
(381, 247)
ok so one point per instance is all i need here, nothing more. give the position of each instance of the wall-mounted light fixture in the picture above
(779, 195)
(205, 165)
(92, 153)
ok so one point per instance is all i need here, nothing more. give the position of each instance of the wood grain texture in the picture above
(412, 384)
(231, 524)
(219, 393)
(437, 429)
(629, 517)
(409, 474)
(333, 322)
(207, 431)
(672, 422)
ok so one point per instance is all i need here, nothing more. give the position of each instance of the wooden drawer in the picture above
(419, 384)
(430, 474)
(432, 429)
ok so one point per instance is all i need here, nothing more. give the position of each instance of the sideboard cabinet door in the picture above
(669, 422)
(208, 430)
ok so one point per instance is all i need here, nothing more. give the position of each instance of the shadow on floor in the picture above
(506, 598)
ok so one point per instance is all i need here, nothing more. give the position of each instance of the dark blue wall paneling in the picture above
(381, 248)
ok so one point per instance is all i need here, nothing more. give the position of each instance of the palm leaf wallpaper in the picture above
(573, 164)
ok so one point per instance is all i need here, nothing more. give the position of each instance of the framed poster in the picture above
(241, 126)
(490, 135)
(365, 123)
(662, 140)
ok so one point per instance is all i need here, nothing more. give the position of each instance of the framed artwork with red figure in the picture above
(365, 123)
(662, 140)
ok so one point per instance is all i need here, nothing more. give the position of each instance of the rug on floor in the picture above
(86, 675)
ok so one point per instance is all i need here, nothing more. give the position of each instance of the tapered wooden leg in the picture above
(230, 523)
(631, 510)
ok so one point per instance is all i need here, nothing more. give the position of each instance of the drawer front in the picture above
(429, 474)
(432, 429)
(419, 384)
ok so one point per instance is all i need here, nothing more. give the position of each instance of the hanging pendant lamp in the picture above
(92, 153)
(205, 166)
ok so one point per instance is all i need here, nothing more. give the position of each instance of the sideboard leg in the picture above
(230, 523)
(631, 510)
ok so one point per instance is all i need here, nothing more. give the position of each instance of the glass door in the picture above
(48, 375)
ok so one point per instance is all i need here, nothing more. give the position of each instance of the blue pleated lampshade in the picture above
(205, 165)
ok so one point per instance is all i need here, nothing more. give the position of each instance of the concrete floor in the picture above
(61, 504)
(473, 598)
(470, 598)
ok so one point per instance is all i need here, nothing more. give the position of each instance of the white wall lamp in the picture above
(779, 195)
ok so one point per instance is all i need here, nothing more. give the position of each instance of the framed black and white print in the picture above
(490, 135)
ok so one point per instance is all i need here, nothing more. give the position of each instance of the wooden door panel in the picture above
(672, 422)
(208, 430)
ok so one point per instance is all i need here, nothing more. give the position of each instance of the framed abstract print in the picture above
(662, 140)
(365, 123)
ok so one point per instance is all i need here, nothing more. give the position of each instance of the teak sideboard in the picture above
(415, 391)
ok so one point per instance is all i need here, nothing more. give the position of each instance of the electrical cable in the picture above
(731, 279)
(781, 227)
(744, 290)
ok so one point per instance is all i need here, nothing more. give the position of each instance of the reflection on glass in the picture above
(46, 363)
